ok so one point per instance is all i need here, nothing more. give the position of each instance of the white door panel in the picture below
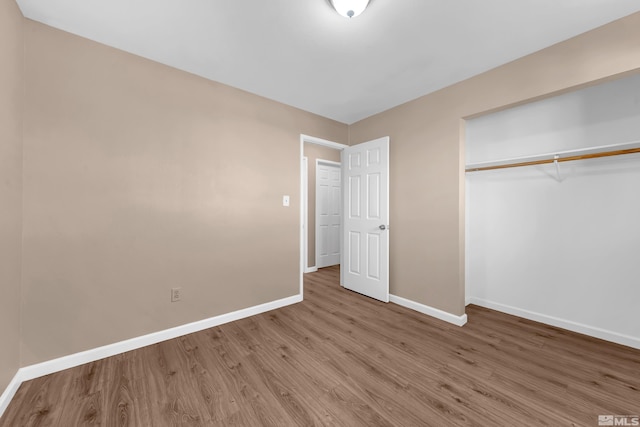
(328, 213)
(365, 262)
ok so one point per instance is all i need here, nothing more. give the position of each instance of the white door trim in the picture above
(303, 196)
(305, 215)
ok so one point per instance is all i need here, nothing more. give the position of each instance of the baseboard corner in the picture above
(10, 391)
(429, 311)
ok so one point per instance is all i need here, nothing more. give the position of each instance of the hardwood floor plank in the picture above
(341, 359)
(293, 361)
(84, 405)
(255, 394)
(42, 401)
(124, 396)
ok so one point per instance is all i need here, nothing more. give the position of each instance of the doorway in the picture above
(364, 236)
(311, 149)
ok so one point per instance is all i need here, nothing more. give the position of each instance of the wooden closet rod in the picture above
(559, 159)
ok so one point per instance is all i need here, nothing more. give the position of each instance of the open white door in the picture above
(365, 235)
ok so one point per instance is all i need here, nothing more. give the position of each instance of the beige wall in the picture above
(313, 152)
(11, 87)
(139, 178)
(427, 178)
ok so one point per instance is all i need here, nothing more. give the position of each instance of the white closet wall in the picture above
(565, 252)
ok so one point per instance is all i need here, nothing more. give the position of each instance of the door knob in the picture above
(383, 227)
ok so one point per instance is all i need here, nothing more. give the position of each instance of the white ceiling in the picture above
(302, 53)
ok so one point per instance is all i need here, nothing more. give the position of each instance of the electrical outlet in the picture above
(176, 294)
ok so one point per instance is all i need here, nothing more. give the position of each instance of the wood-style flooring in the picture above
(342, 359)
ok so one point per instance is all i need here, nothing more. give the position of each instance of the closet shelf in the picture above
(560, 156)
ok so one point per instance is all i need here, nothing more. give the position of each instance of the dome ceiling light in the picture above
(349, 8)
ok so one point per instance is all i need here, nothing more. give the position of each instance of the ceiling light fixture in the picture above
(349, 8)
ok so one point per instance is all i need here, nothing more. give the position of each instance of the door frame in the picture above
(332, 164)
(303, 198)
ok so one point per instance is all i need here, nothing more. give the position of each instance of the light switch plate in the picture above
(285, 200)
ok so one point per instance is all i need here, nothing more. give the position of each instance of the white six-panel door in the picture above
(365, 259)
(328, 213)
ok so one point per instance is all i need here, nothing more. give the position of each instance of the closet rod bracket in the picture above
(555, 162)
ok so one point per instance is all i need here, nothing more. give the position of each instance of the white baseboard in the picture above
(40, 369)
(310, 269)
(467, 301)
(9, 392)
(592, 331)
(429, 311)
